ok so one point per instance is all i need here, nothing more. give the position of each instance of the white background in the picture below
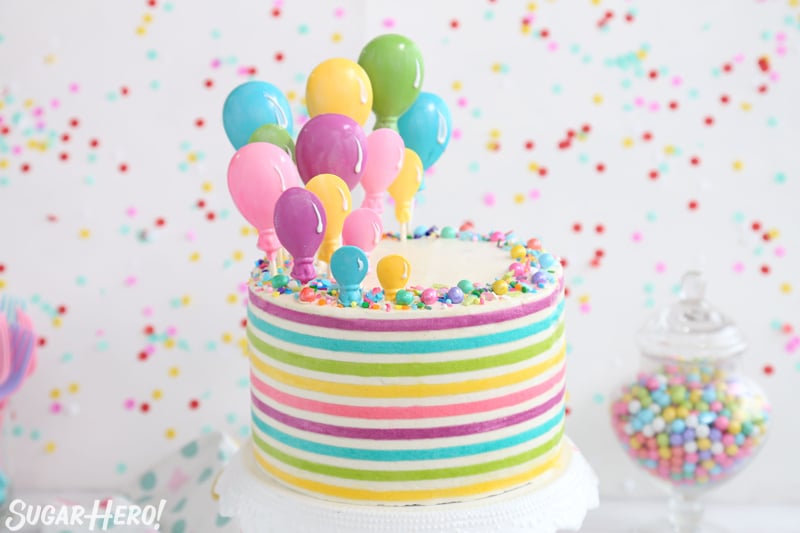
(83, 234)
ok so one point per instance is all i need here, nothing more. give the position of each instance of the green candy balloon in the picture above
(396, 71)
(272, 133)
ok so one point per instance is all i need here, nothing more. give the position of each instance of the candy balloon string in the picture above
(303, 269)
(373, 201)
(282, 257)
(386, 122)
(269, 244)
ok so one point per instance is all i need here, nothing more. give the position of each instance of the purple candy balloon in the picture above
(300, 225)
(331, 144)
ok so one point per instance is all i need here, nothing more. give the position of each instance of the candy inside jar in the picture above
(690, 423)
(690, 417)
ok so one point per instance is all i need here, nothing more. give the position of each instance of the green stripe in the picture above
(408, 475)
(365, 369)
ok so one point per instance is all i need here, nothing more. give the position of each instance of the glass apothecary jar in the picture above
(690, 418)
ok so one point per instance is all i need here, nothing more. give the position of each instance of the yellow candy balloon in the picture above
(406, 185)
(334, 194)
(339, 85)
(393, 273)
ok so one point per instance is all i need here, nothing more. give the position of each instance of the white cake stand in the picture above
(262, 505)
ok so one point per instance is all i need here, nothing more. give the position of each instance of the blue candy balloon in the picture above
(251, 105)
(425, 127)
(349, 266)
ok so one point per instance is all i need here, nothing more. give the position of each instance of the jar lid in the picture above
(691, 328)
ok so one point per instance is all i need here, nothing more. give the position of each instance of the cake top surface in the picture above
(447, 271)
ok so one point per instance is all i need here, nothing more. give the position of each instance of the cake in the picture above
(449, 390)
(388, 369)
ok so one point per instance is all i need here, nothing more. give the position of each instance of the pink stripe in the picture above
(405, 413)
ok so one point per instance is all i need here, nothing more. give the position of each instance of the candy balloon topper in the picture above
(396, 71)
(393, 274)
(332, 144)
(349, 266)
(386, 153)
(250, 106)
(258, 174)
(300, 225)
(341, 86)
(404, 187)
(274, 134)
(426, 127)
(335, 197)
(363, 228)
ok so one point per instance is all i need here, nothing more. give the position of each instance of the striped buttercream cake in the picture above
(387, 405)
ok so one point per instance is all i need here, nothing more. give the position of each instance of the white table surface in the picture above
(613, 516)
(619, 516)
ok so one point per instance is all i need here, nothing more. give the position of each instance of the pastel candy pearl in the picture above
(466, 286)
(281, 280)
(404, 297)
(449, 232)
(500, 287)
(307, 294)
(721, 423)
(429, 296)
(455, 295)
(546, 260)
(534, 244)
(518, 252)
(517, 269)
(539, 277)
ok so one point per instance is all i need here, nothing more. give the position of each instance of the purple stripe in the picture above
(406, 433)
(423, 323)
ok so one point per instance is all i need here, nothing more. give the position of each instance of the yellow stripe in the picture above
(346, 493)
(406, 391)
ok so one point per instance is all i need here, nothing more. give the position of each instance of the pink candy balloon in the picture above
(257, 175)
(331, 144)
(386, 151)
(300, 224)
(362, 228)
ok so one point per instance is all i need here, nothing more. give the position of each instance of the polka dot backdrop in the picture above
(635, 139)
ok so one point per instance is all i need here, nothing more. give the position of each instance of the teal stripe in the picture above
(405, 347)
(448, 452)
(407, 369)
